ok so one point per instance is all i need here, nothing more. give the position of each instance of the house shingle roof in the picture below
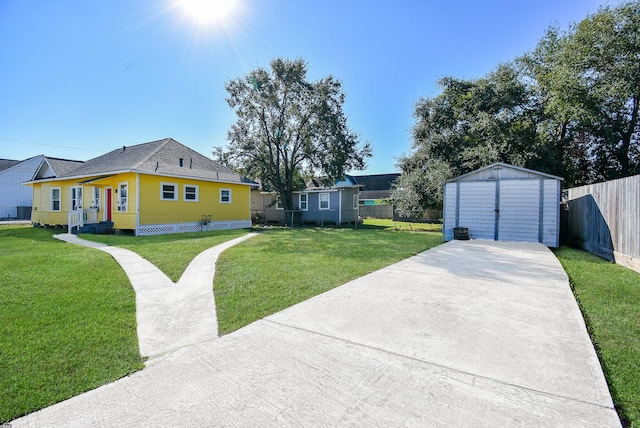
(162, 157)
(63, 166)
(8, 163)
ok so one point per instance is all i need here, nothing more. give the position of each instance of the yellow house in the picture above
(148, 189)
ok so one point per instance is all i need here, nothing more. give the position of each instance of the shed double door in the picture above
(500, 210)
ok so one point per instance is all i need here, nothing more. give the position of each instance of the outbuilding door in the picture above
(518, 207)
(500, 210)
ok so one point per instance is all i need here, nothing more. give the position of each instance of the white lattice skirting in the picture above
(161, 229)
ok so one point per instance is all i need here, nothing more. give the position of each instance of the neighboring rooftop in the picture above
(376, 181)
(376, 186)
(8, 163)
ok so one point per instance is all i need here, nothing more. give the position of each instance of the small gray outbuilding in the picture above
(503, 202)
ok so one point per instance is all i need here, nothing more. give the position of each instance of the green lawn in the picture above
(67, 323)
(282, 267)
(609, 297)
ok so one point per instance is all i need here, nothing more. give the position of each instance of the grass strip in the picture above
(609, 298)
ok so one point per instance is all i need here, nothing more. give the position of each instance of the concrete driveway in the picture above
(475, 333)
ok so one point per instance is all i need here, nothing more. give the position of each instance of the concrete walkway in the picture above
(169, 316)
(468, 334)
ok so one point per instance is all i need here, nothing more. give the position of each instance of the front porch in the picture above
(86, 221)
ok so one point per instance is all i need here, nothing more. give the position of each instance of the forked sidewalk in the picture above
(169, 315)
(467, 334)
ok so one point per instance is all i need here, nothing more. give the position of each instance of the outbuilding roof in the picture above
(490, 172)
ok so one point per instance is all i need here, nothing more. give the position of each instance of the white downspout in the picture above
(340, 206)
(137, 202)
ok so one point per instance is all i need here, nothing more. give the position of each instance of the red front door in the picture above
(109, 203)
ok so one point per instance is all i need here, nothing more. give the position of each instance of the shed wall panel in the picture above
(551, 209)
(476, 208)
(519, 210)
(449, 211)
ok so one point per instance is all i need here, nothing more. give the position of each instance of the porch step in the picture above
(102, 228)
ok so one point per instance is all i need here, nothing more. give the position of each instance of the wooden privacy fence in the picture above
(376, 211)
(604, 219)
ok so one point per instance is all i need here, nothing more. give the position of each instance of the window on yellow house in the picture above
(95, 202)
(225, 196)
(123, 197)
(76, 198)
(55, 199)
(191, 192)
(168, 191)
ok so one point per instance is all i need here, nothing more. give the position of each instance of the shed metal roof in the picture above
(521, 172)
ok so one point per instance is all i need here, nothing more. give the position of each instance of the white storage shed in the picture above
(504, 203)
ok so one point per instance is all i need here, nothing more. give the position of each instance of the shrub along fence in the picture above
(604, 219)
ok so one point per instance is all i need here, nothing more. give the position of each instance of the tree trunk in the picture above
(623, 152)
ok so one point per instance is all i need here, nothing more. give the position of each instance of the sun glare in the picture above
(208, 11)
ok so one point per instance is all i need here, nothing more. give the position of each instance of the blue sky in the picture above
(80, 78)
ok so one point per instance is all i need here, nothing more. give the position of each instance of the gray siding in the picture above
(340, 207)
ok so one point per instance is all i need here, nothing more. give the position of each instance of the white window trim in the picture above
(96, 197)
(123, 208)
(320, 201)
(78, 191)
(175, 191)
(306, 201)
(356, 202)
(59, 199)
(184, 193)
(230, 198)
(279, 205)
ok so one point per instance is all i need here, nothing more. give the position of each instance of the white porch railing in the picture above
(76, 219)
(90, 215)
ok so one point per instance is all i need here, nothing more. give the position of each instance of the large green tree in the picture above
(470, 124)
(288, 127)
(569, 108)
(589, 80)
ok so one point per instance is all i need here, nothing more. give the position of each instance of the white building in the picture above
(16, 199)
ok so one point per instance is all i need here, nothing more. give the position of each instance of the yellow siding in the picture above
(123, 219)
(42, 203)
(42, 213)
(154, 210)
